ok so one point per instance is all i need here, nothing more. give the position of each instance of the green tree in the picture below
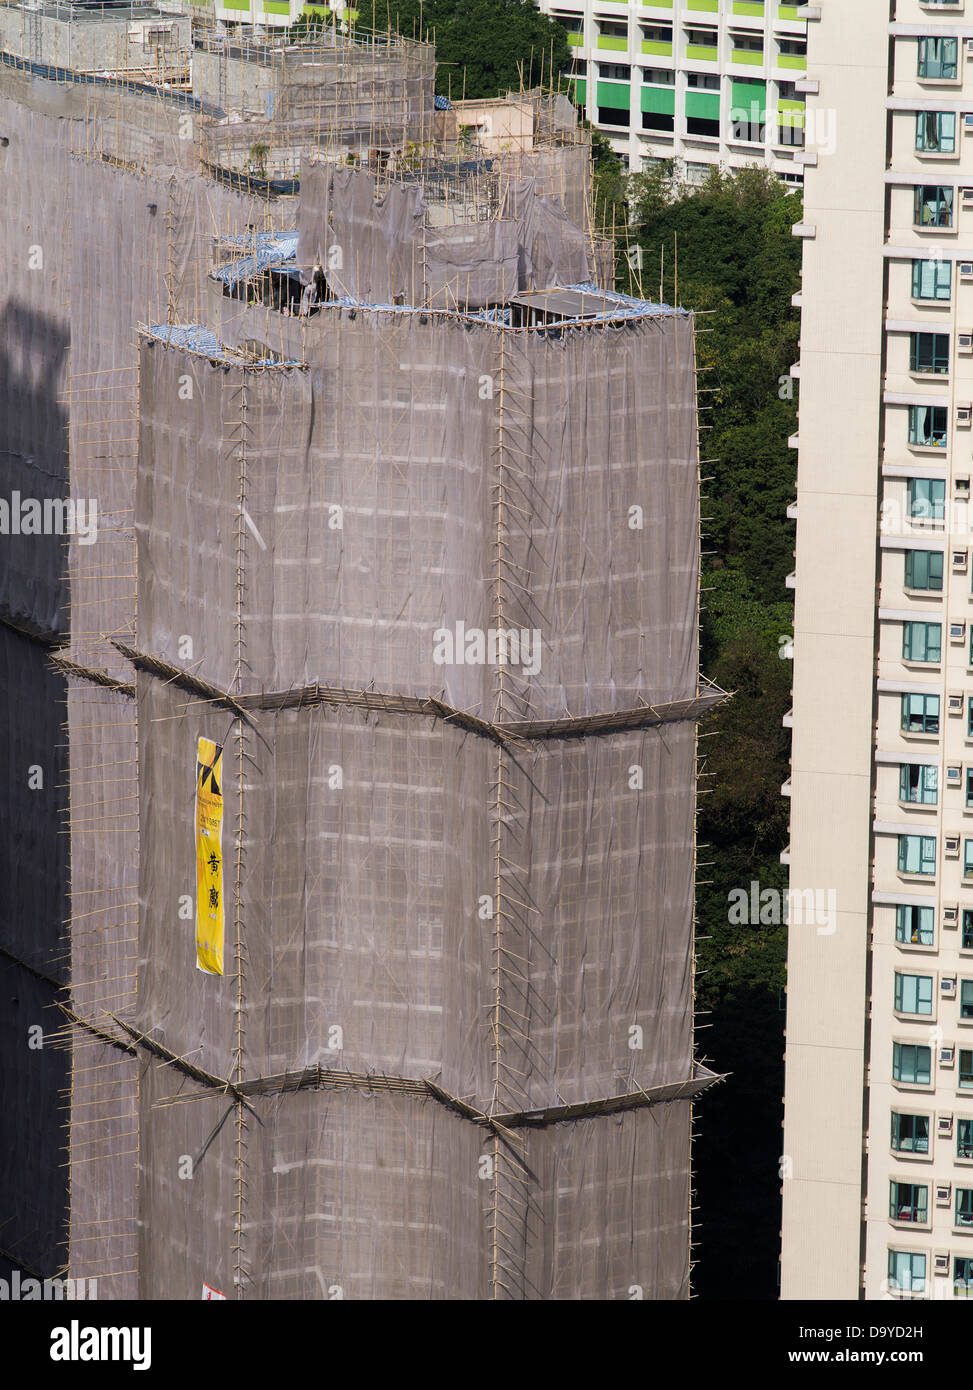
(725, 250)
(483, 47)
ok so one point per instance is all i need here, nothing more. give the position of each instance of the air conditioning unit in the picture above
(947, 987)
(944, 1192)
(964, 342)
(966, 267)
(954, 775)
(961, 487)
(954, 702)
(947, 1055)
(963, 413)
(950, 914)
(969, 48)
(951, 846)
(957, 632)
(944, 1126)
(959, 560)
(941, 1262)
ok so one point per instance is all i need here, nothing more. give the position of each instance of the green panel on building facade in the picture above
(616, 94)
(705, 106)
(661, 100)
(611, 41)
(753, 8)
(700, 54)
(711, 6)
(580, 90)
(663, 50)
(750, 99)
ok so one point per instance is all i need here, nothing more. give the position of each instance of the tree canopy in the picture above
(483, 47)
(725, 249)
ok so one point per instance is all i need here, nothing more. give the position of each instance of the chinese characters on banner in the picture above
(209, 857)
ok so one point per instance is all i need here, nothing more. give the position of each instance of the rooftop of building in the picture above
(93, 11)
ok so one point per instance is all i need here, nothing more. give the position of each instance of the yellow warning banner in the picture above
(209, 857)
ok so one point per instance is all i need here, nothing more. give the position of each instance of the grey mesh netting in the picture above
(489, 905)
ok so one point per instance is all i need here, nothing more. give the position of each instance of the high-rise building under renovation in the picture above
(381, 692)
(705, 81)
(878, 1136)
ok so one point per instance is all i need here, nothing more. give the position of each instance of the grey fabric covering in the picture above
(410, 900)
(589, 426)
(381, 246)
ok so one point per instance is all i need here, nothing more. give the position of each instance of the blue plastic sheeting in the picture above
(197, 338)
(442, 103)
(269, 249)
(625, 307)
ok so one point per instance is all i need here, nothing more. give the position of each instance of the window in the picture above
(915, 926)
(922, 641)
(929, 353)
(908, 1201)
(619, 115)
(797, 47)
(612, 29)
(932, 279)
(657, 33)
(749, 43)
(913, 994)
(927, 426)
(964, 1138)
(924, 569)
(933, 206)
(966, 1069)
(920, 714)
(919, 783)
(910, 1133)
(966, 999)
(659, 77)
(707, 81)
(701, 125)
(927, 497)
(962, 1276)
(936, 132)
(964, 1206)
(701, 38)
(621, 72)
(969, 787)
(912, 1063)
(967, 941)
(907, 1271)
(937, 59)
(917, 854)
(968, 858)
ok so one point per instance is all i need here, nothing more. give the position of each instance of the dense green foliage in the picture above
(725, 249)
(484, 47)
